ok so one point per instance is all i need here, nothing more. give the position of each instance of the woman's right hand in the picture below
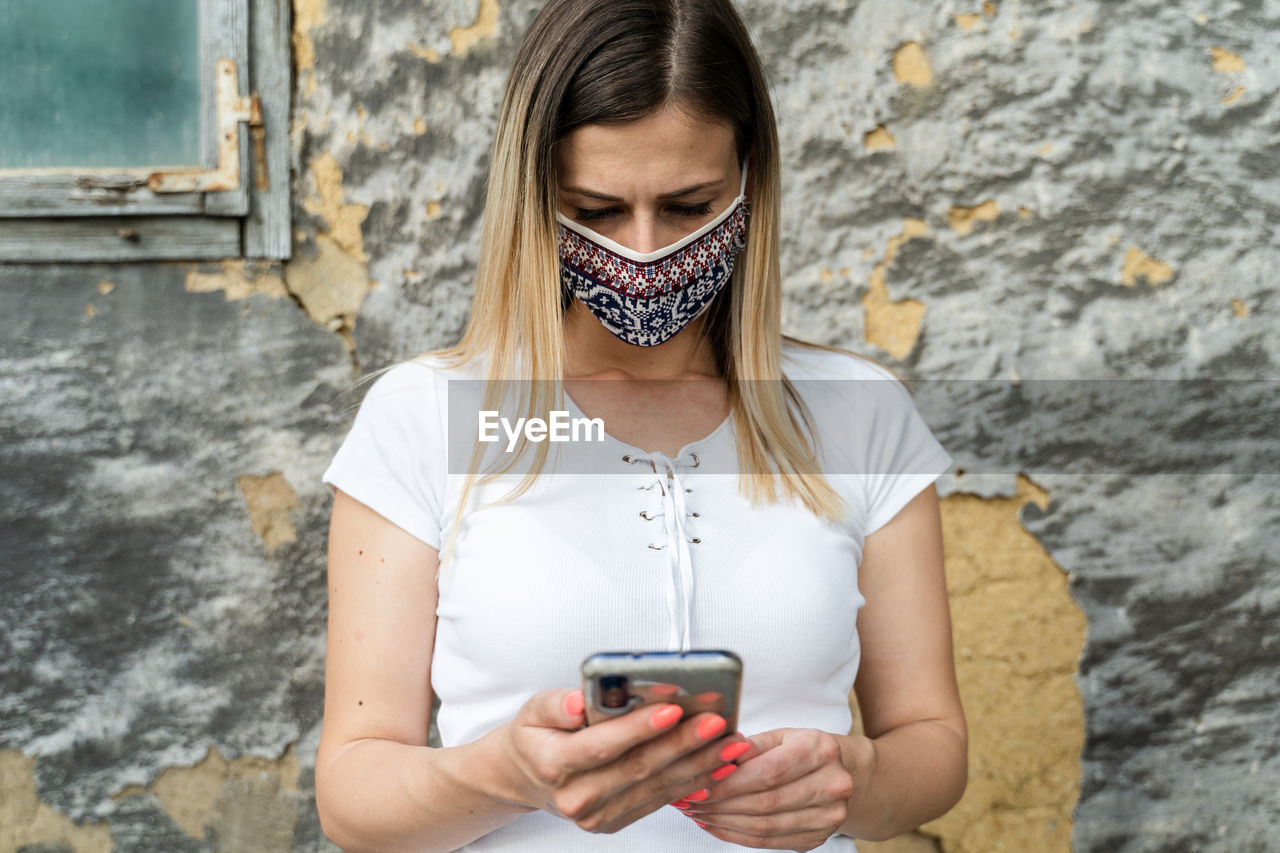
(606, 776)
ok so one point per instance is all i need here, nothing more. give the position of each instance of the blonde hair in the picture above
(611, 61)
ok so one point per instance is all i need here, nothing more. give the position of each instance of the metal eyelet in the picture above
(694, 514)
(688, 490)
(656, 547)
(695, 540)
(644, 513)
(626, 457)
(696, 463)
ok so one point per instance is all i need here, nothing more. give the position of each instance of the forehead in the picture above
(666, 146)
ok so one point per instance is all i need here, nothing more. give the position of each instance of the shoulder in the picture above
(424, 374)
(808, 361)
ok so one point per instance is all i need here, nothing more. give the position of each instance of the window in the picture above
(144, 129)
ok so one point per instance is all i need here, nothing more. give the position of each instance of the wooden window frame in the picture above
(112, 215)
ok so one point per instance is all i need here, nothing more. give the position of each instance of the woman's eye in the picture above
(678, 209)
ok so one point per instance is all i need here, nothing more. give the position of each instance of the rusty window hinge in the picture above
(233, 108)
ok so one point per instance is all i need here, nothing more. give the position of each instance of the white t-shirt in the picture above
(593, 562)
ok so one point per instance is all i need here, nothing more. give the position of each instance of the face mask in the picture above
(644, 299)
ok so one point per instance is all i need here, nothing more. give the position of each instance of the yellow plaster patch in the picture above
(1136, 265)
(1226, 62)
(878, 138)
(1045, 150)
(237, 280)
(989, 8)
(249, 802)
(89, 310)
(1023, 212)
(962, 218)
(26, 821)
(105, 286)
(270, 497)
(464, 38)
(1240, 309)
(1234, 95)
(424, 52)
(433, 210)
(344, 220)
(331, 286)
(911, 66)
(307, 16)
(1018, 636)
(419, 126)
(893, 326)
(967, 21)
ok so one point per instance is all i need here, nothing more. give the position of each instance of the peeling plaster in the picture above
(270, 498)
(961, 218)
(1018, 636)
(238, 279)
(248, 802)
(1226, 62)
(911, 66)
(464, 38)
(878, 138)
(1239, 308)
(26, 821)
(1137, 264)
(307, 16)
(967, 21)
(893, 326)
(326, 201)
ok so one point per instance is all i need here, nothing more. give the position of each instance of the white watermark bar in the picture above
(562, 426)
(995, 426)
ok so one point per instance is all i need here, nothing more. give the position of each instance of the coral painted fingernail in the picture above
(733, 750)
(724, 771)
(573, 703)
(698, 822)
(710, 727)
(697, 796)
(681, 803)
(665, 716)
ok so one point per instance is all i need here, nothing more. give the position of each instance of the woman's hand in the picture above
(606, 776)
(792, 793)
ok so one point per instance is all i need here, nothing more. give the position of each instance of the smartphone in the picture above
(614, 683)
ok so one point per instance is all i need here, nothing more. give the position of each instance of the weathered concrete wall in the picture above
(999, 191)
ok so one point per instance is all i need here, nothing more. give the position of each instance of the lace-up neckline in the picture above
(677, 538)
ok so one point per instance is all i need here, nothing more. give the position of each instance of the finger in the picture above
(772, 836)
(811, 791)
(689, 773)
(559, 708)
(604, 743)
(765, 772)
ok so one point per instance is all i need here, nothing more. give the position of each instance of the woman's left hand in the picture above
(790, 792)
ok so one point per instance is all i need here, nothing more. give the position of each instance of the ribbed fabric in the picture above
(567, 570)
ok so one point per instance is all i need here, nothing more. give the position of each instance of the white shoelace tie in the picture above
(679, 560)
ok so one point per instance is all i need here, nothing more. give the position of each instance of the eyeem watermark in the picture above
(559, 428)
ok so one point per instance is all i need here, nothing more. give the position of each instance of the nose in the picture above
(644, 232)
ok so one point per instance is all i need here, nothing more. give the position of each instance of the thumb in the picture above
(762, 742)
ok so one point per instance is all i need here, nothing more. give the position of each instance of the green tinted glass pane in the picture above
(99, 83)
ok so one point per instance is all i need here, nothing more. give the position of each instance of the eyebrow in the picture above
(676, 194)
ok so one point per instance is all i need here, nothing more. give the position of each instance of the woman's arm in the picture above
(912, 764)
(379, 787)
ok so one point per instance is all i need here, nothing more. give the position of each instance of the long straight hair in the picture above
(615, 61)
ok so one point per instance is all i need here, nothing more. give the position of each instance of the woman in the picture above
(631, 235)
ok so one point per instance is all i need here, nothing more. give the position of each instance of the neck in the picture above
(591, 350)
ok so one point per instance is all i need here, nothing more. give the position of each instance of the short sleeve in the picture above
(903, 455)
(393, 458)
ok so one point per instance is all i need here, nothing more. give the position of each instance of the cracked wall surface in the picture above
(997, 191)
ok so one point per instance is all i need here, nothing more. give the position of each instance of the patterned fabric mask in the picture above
(644, 299)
